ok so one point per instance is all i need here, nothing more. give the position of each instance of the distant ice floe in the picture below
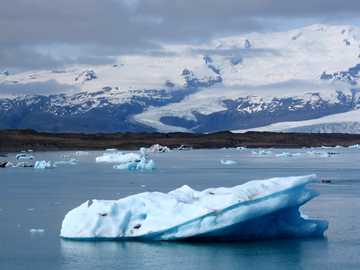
(156, 148)
(118, 157)
(142, 165)
(228, 162)
(81, 153)
(9, 164)
(111, 149)
(255, 210)
(354, 146)
(36, 230)
(241, 148)
(185, 147)
(42, 165)
(71, 161)
(65, 156)
(24, 156)
(143, 151)
(262, 152)
(287, 154)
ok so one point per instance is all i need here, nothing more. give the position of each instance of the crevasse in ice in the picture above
(255, 210)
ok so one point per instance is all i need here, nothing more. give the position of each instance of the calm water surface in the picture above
(39, 199)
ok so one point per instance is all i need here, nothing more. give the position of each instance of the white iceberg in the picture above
(157, 148)
(118, 157)
(111, 149)
(354, 146)
(142, 165)
(287, 154)
(81, 153)
(255, 210)
(65, 156)
(262, 152)
(24, 156)
(42, 165)
(71, 161)
(143, 151)
(241, 148)
(228, 162)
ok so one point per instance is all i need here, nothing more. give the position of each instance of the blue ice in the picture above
(255, 210)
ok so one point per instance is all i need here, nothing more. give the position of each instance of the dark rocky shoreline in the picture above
(16, 140)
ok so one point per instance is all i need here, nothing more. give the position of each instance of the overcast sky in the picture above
(52, 34)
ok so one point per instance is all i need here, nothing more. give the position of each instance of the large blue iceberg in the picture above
(256, 210)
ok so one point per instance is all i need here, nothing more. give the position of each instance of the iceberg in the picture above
(118, 157)
(142, 165)
(262, 152)
(287, 154)
(71, 161)
(354, 146)
(81, 153)
(143, 151)
(157, 148)
(228, 162)
(258, 209)
(42, 165)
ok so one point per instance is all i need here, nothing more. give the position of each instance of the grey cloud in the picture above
(40, 88)
(102, 28)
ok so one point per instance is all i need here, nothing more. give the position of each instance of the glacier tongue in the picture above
(255, 210)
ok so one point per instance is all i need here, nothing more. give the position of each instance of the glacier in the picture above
(258, 209)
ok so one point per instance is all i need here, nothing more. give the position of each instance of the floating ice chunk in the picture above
(37, 230)
(316, 153)
(42, 165)
(65, 156)
(142, 165)
(354, 146)
(111, 149)
(228, 162)
(118, 157)
(157, 148)
(255, 210)
(287, 154)
(71, 161)
(29, 150)
(185, 147)
(262, 152)
(339, 146)
(81, 153)
(143, 151)
(24, 156)
(241, 148)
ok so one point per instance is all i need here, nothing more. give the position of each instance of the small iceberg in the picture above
(42, 165)
(71, 161)
(111, 149)
(81, 153)
(185, 147)
(241, 148)
(118, 157)
(262, 152)
(65, 156)
(228, 162)
(287, 154)
(142, 165)
(258, 209)
(157, 148)
(354, 146)
(24, 156)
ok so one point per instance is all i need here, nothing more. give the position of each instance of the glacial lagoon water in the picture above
(39, 199)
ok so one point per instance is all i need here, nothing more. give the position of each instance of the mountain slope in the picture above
(241, 82)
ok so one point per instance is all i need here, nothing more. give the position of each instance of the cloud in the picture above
(95, 30)
(36, 88)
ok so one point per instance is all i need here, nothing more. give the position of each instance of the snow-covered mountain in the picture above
(236, 83)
